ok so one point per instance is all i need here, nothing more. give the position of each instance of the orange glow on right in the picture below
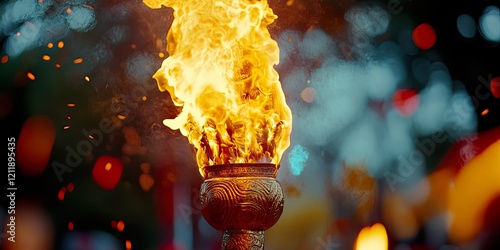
(372, 238)
(476, 185)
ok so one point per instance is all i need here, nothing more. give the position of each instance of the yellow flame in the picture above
(220, 70)
(372, 238)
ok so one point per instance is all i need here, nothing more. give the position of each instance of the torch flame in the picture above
(372, 238)
(220, 71)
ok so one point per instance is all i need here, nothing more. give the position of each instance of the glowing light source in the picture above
(220, 71)
(405, 101)
(34, 145)
(475, 186)
(78, 60)
(297, 159)
(466, 26)
(107, 172)
(128, 245)
(87, 78)
(495, 86)
(50, 45)
(60, 44)
(30, 76)
(5, 59)
(485, 112)
(372, 238)
(61, 193)
(71, 226)
(489, 24)
(46, 57)
(120, 226)
(424, 36)
(70, 187)
(308, 95)
(146, 181)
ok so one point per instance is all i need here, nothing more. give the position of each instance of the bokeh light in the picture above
(297, 159)
(107, 172)
(405, 101)
(372, 238)
(489, 24)
(475, 186)
(34, 145)
(495, 86)
(466, 26)
(424, 36)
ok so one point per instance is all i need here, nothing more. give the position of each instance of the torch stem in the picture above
(243, 240)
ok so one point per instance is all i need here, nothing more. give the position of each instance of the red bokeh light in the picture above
(61, 194)
(405, 101)
(495, 86)
(120, 226)
(107, 172)
(70, 187)
(34, 145)
(424, 36)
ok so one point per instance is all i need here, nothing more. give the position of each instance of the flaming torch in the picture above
(220, 71)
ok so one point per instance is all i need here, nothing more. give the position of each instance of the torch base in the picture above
(243, 240)
(242, 200)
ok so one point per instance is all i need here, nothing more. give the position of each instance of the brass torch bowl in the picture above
(242, 200)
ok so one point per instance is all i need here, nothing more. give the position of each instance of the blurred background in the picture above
(395, 121)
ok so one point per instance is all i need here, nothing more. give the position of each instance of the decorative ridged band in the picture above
(241, 170)
(243, 240)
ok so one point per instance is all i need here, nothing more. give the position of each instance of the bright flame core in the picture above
(372, 238)
(220, 70)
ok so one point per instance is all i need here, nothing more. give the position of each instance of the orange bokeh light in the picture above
(34, 145)
(475, 186)
(372, 238)
(30, 76)
(120, 226)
